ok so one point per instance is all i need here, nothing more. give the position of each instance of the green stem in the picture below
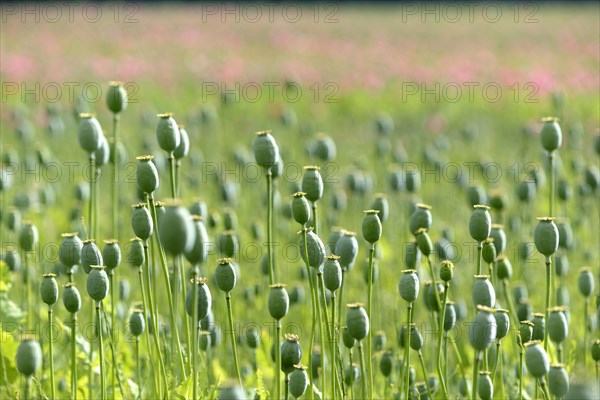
(548, 279)
(352, 375)
(586, 305)
(27, 388)
(51, 355)
(325, 321)
(520, 372)
(461, 366)
(195, 329)
(362, 369)
(91, 353)
(424, 371)
(496, 361)
(172, 175)
(115, 180)
(233, 345)
(92, 170)
(112, 333)
(509, 301)
(476, 363)
(369, 335)
(440, 341)
(163, 261)
(321, 332)
(270, 227)
(177, 177)
(545, 388)
(333, 343)
(137, 364)
(479, 249)
(101, 347)
(286, 386)
(74, 357)
(277, 360)
(407, 352)
(314, 313)
(315, 218)
(186, 323)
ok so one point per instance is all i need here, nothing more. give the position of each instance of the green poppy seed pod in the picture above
(141, 221)
(184, 144)
(482, 331)
(228, 244)
(503, 268)
(252, 337)
(524, 310)
(561, 264)
(111, 254)
(315, 249)
(424, 242)
(167, 133)
(412, 181)
(225, 275)
(502, 323)
(545, 236)
(49, 289)
(483, 292)
(420, 218)
(558, 327)
(357, 321)
(97, 283)
(596, 350)
(551, 135)
(176, 230)
(562, 296)
(498, 200)
(585, 282)
(323, 148)
(488, 251)
(203, 296)
(300, 208)
(476, 195)
(416, 339)
(231, 391)
(205, 340)
(409, 285)
(485, 387)
(28, 236)
(69, 252)
(446, 271)
(381, 204)
(539, 326)
(137, 323)
(525, 331)
(558, 380)
(312, 183)
(13, 219)
(291, 353)
(298, 381)
(90, 255)
(536, 359)
(565, 235)
(429, 295)
(526, 191)
(379, 341)
(480, 224)
(266, 152)
(279, 301)
(29, 357)
(200, 208)
(499, 237)
(334, 235)
(89, 133)
(116, 97)
(464, 387)
(592, 177)
(147, 174)
(71, 298)
(12, 259)
(347, 248)
(347, 338)
(450, 317)
(102, 153)
(198, 253)
(386, 364)
(412, 256)
(230, 220)
(332, 273)
(371, 226)
(564, 190)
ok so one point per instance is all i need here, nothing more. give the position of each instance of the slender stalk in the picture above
(186, 323)
(172, 175)
(439, 349)
(586, 306)
(28, 290)
(407, 352)
(137, 364)
(177, 177)
(314, 313)
(270, 227)
(115, 176)
(91, 353)
(476, 363)
(321, 332)
(509, 301)
(479, 249)
(325, 321)
(333, 343)
(74, 356)
(27, 388)
(341, 302)
(461, 366)
(101, 347)
(286, 385)
(424, 370)
(369, 335)
(315, 218)
(559, 351)
(351, 374)
(195, 328)
(113, 305)
(165, 270)
(548, 280)
(598, 377)
(51, 355)
(92, 171)
(112, 351)
(496, 361)
(361, 355)
(277, 360)
(233, 345)
(520, 372)
(544, 388)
